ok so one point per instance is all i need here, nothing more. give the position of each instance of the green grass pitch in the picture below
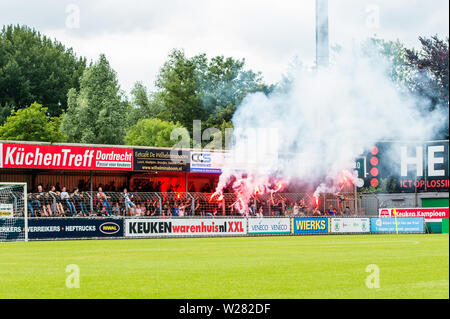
(410, 266)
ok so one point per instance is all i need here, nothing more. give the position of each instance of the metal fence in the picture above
(53, 204)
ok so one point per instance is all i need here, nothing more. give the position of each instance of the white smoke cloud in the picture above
(324, 120)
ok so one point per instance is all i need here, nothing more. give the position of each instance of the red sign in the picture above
(427, 213)
(65, 157)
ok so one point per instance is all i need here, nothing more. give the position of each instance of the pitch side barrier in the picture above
(68, 228)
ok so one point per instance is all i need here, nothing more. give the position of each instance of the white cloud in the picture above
(136, 36)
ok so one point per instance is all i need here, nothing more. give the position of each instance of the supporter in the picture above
(296, 210)
(335, 212)
(302, 207)
(166, 211)
(78, 198)
(181, 210)
(143, 210)
(260, 212)
(30, 205)
(40, 197)
(58, 204)
(129, 205)
(55, 205)
(347, 211)
(332, 212)
(65, 197)
(289, 208)
(116, 209)
(154, 208)
(277, 207)
(252, 208)
(104, 201)
(197, 206)
(316, 212)
(48, 200)
(175, 209)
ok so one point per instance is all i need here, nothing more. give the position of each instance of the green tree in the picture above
(32, 124)
(35, 68)
(423, 72)
(224, 83)
(151, 132)
(432, 63)
(98, 112)
(395, 52)
(178, 84)
(144, 104)
(204, 89)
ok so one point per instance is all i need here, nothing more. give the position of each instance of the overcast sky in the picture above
(136, 36)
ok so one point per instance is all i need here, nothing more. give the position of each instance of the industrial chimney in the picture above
(322, 46)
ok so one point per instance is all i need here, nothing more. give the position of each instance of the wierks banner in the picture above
(65, 157)
(310, 225)
(184, 227)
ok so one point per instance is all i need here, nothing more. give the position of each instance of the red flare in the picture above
(279, 187)
(317, 200)
(218, 193)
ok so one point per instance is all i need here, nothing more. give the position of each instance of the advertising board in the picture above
(350, 225)
(66, 228)
(6, 210)
(404, 225)
(144, 227)
(36, 156)
(160, 160)
(427, 213)
(311, 225)
(206, 162)
(269, 225)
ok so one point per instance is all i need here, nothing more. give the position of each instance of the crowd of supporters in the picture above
(59, 202)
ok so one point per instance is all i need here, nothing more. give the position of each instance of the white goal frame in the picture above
(25, 204)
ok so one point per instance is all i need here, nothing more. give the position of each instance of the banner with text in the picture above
(207, 162)
(269, 225)
(392, 225)
(66, 228)
(350, 225)
(65, 157)
(160, 160)
(427, 213)
(140, 227)
(311, 225)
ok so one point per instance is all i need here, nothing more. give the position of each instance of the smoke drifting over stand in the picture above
(323, 120)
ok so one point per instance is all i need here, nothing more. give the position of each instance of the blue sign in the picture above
(11, 228)
(404, 225)
(57, 228)
(206, 162)
(311, 225)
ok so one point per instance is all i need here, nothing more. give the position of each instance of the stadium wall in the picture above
(110, 228)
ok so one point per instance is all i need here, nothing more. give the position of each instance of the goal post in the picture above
(13, 212)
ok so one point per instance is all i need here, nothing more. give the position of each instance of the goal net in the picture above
(13, 212)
